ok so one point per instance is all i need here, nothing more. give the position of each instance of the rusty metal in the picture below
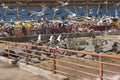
(64, 73)
(68, 68)
(53, 52)
(89, 67)
(8, 44)
(54, 61)
(78, 58)
(101, 67)
(27, 55)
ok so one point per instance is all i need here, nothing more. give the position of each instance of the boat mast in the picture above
(75, 8)
(106, 7)
(98, 8)
(116, 11)
(87, 6)
(18, 16)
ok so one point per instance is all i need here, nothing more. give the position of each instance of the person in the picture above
(12, 32)
(24, 30)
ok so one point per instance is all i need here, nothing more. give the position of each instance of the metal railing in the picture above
(63, 61)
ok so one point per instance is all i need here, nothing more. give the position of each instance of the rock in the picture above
(81, 55)
(2, 52)
(83, 42)
(35, 60)
(90, 47)
(4, 34)
(88, 57)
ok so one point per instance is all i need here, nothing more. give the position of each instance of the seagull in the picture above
(39, 37)
(10, 9)
(64, 4)
(20, 3)
(38, 13)
(91, 11)
(80, 7)
(117, 4)
(23, 10)
(59, 38)
(50, 39)
(72, 14)
(4, 6)
(55, 9)
(106, 2)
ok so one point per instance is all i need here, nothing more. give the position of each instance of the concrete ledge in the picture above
(6, 60)
(42, 72)
(39, 71)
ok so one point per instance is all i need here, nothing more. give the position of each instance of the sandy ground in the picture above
(8, 72)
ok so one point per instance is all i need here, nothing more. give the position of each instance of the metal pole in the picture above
(87, 9)
(26, 54)
(75, 8)
(8, 49)
(98, 9)
(116, 11)
(107, 8)
(101, 67)
(54, 61)
(4, 15)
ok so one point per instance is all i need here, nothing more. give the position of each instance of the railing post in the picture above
(54, 61)
(101, 67)
(27, 54)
